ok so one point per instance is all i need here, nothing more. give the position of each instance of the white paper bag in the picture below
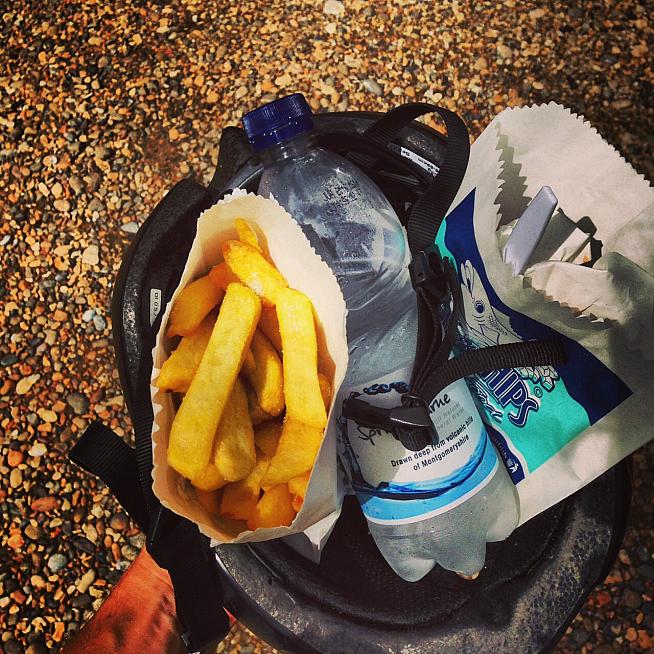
(558, 429)
(305, 271)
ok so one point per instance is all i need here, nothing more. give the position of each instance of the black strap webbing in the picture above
(103, 453)
(428, 212)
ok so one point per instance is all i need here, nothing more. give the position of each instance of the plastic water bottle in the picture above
(439, 505)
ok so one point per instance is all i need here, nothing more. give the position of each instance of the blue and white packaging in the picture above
(558, 429)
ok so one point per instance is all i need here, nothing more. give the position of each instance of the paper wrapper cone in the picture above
(305, 271)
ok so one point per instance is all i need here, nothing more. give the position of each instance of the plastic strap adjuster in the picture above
(410, 423)
(426, 268)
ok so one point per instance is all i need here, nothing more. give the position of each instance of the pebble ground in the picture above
(105, 105)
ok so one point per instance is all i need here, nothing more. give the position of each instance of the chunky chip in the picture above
(249, 365)
(325, 390)
(221, 276)
(209, 500)
(234, 455)
(266, 436)
(177, 371)
(192, 304)
(247, 234)
(296, 451)
(266, 377)
(269, 325)
(240, 498)
(252, 269)
(297, 487)
(274, 509)
(194, 426)
(257, 414)
(209, 479)
(304, 401)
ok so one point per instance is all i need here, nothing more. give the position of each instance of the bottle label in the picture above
(437, 478)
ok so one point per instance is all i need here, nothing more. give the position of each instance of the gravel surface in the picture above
(105, 105)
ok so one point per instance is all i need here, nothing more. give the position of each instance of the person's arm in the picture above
(137, 617)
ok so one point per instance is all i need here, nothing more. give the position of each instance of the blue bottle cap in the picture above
(278, 121)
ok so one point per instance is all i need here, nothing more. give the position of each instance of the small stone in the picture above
(84, 545)
(16, 478)
(75, 184)
(119, 522)
(130, 227)
(241, 92)
(87, 316)
(283, 80)
(372, 87)
(631, 599)
(56, 562)
(90, 256)
(99, 322)
(8, 359)
(537, 13)
(481, 64)
(129, 552)
(503, 51)
(78, 402)
(47, 415)
(44, 504)
(640, 50)
(56, 190)
(631, 635)
(25, 384)
(87, 579)
(645, 641)
(62, 205)
(15, 541)
(15, 458)
(37, 581)
(624, 103)
(32, 532)
(334, 8)
(330, 28)
(18, 596)
(91, 533)
(603, 598)
(138, 540)
(58, 633)
(212, 98)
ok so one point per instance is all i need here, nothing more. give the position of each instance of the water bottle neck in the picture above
(296, 147)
